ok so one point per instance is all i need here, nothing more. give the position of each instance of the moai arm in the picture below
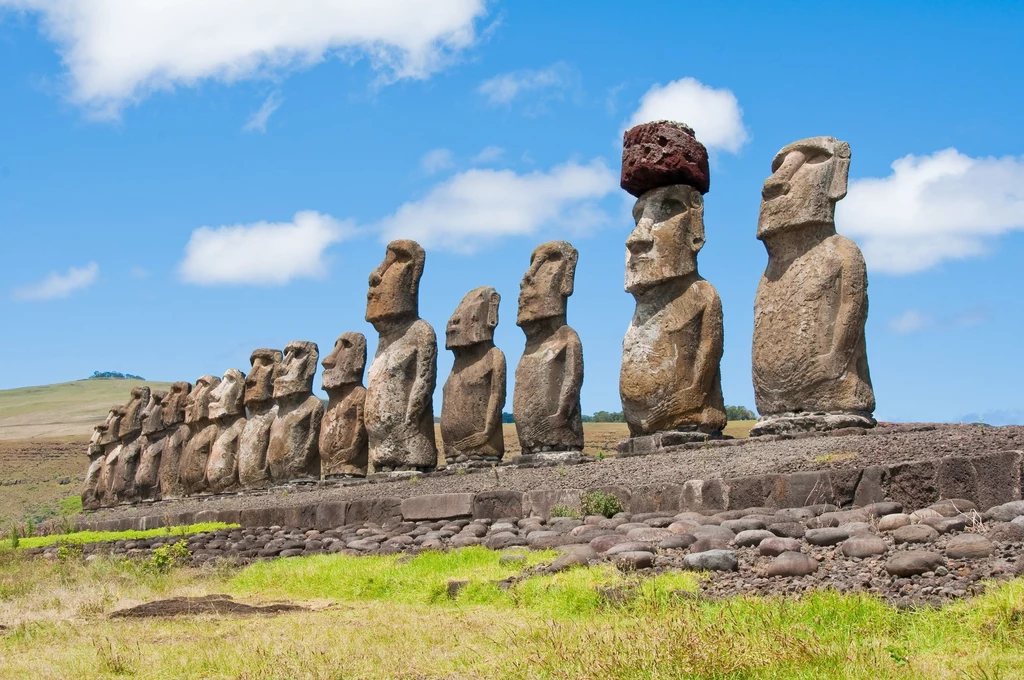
(571, 380)
(849, 321)
(709, 354)
(426, 377)
(495, 402)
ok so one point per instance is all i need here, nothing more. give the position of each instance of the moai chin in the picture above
(147, 475)
(474, 393)
(253, 472)
(110, 440)
(546, 398)
(227, 409)
(810, 366)
(343, 440)
(203, 434)
(176, 439)
(670, 381)
(399, 409)
(90, 489)
(123, 483)
(293, 452)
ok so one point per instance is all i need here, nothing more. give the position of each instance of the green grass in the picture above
(82, 537)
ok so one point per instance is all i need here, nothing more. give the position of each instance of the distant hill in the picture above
(106, 375)
(63, 410)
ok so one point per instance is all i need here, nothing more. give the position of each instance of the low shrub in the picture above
(601, 503)
(565, 511)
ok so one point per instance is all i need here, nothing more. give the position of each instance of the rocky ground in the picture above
(929, 556)
(884, 445)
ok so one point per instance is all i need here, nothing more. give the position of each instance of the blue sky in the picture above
(178, 187)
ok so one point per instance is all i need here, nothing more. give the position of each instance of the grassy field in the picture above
(391, 617)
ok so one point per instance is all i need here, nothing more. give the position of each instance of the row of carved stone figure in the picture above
(251, 431)
(809, 359)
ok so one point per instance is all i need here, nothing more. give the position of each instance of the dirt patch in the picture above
(223, 605)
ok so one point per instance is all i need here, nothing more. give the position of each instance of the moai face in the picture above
(131, 423)
(668, 235)
(227, 399)
(96, 441)
(808, 178)
(346, 362)
(112, 425)
(153, 416)
(259, 384)
(197, 405)
(548, 282)
(474, 319)
(394, 285)
(297, 369)
(174, 403)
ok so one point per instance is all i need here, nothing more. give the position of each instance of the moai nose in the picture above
(774, 188)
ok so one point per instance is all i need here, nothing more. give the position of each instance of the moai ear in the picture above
(569, 271)
(841, 172)
(492, 310)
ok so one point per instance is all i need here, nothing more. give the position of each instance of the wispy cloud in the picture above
(910, 321)
(437, 160)
(714, 114)
(502, 89)
(946, 206)
(57, 285)
(489, 154)
(913, 321)
(258, 121)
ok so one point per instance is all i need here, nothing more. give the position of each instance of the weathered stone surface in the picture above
(649, 534)
(1007, 532)
(569, 561)
(175, 439)
(660, 154)
(497, 504)
(882, 508)
(539, 503)
(670, 377)
(375, 510)
(656, 498)
(776, 546)
(705, 495)
(864, 545)
(827, 535)
(915, 533)
(330, 515)
(227, 410)
(399, 409)
(147, 475)
(1006, 512)
(804, 488)
(751, 490)
(969, 546)
(956, 477)
(712, 560)
(809, 356)
(474, 394)
(605, 543)
(751, 538)
(253, 470)
(549, 376)
(122, 483)
(893, 522)
(871, 486)
(792, 564)
(91, 494)
(438, 506)
(999, 477)
(953, 507)
(913, 562)
(913, 484)
(203, 433)
(677, 542)
(343, 442)
(946, 525)
(294, 449)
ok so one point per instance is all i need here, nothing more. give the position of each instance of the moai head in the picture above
(298, 367)
(228, 398)
(96, 441)
(808, 178)
(174, 403)
(153, 415)
(131, 423)
(548, 282)
(474, 319)
(668, 235)
(345, 364)
(111, 433)
(259, 384)
(394, 285)
(197, 405)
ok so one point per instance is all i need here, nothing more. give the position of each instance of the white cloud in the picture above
(58, 285)
(258, 121)
(910, 321)
(436, 160)
(502, 89)
(118, 51)
(264, 253)
(933, 208)
(477, 207)
(714, 115)
(489, 154)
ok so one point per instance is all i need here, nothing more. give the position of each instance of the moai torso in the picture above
(227, 409)
(123, 483)
(147, 476)
(253, 472)
(343, 440)
(293, 451)
(809, 351)
(111, 444)
(203, 435)
(549, 376)
(176, 436)
(474, 393)
(399, 410)
(90, 495)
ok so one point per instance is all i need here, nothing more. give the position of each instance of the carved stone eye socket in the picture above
(815, 157)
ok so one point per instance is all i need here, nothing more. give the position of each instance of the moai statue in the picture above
(90, 489)
(399, 408)
(123, 483)
(810, 364)
(293, 452)
(546, 399)
(227, 409)
(147, 476)
(474, 393)
(253, 472)
(670, 382)
(111, 443)
(202, 436)
(343, 441)
(175, 440)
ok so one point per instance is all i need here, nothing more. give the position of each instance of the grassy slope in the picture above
(385, 617)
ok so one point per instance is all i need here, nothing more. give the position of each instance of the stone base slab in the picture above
(653, 443)
(790, 423)
(547, 459)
